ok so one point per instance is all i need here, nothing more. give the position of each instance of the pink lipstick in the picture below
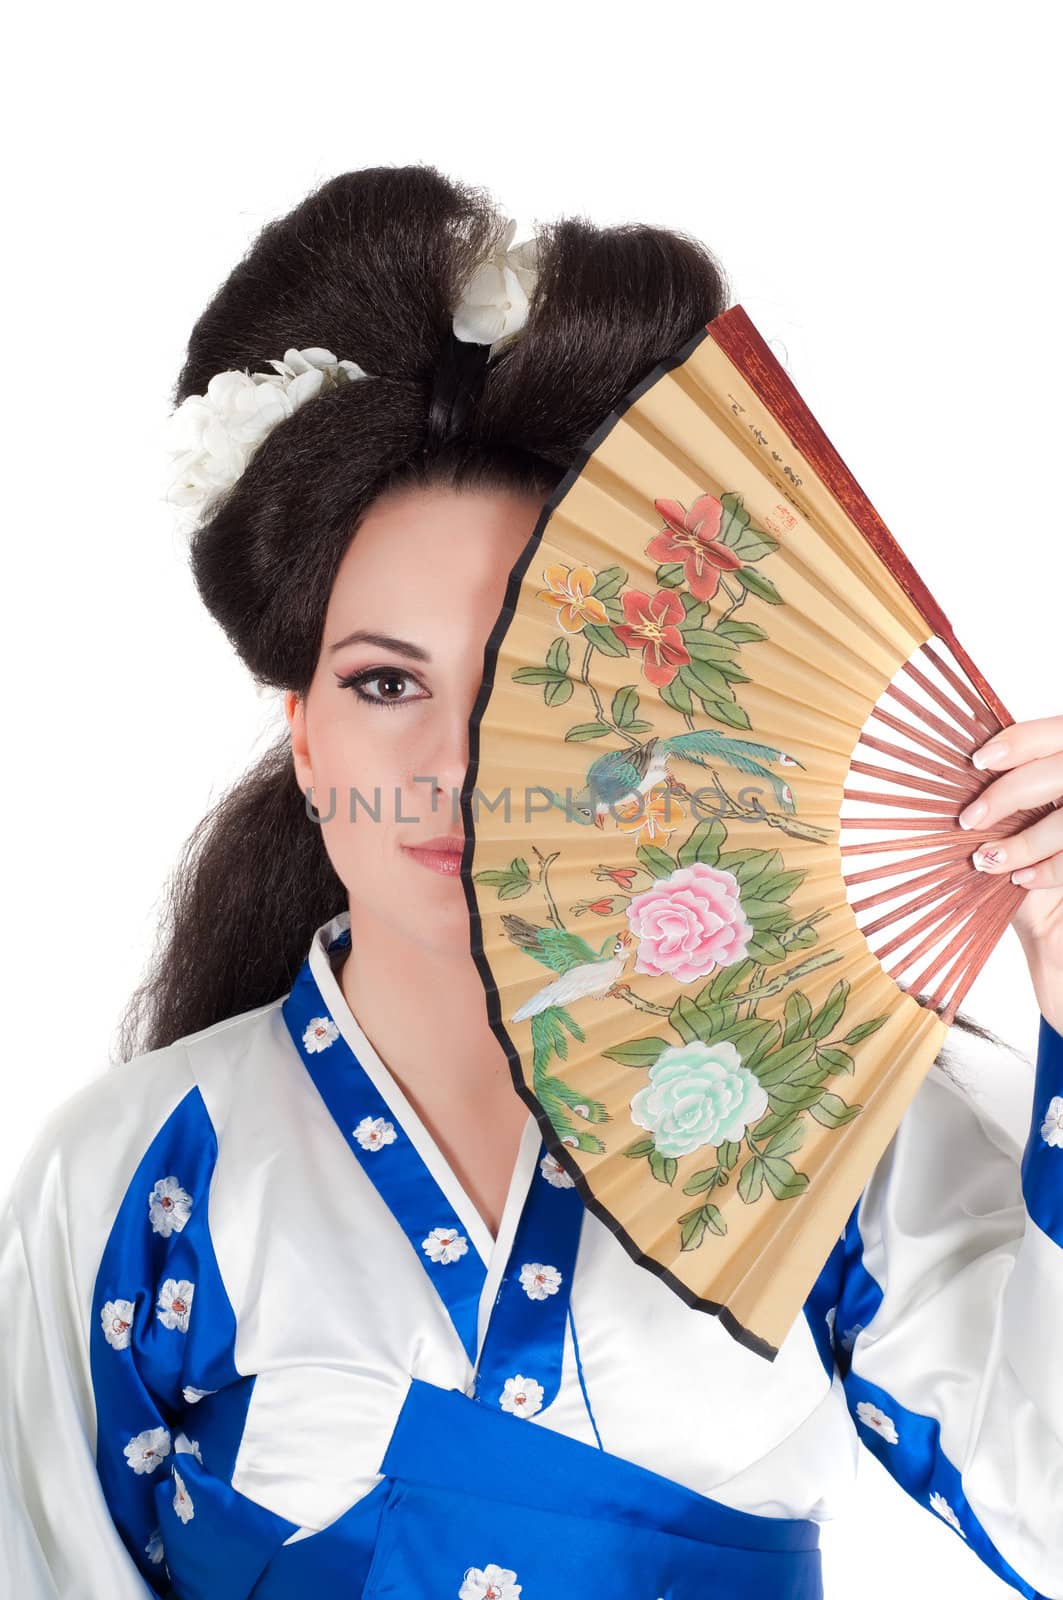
(441, 854)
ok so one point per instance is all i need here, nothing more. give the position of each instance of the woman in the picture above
(294, 1299)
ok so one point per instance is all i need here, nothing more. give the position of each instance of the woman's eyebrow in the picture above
(383, 641)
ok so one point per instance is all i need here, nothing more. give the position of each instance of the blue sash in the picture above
(475, 1502)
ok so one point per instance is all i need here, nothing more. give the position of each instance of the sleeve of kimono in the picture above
(948, 1327)
(97, 1251)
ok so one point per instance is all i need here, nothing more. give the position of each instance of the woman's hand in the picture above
(1029, 757)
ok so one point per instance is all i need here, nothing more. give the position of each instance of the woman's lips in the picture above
(445, 859)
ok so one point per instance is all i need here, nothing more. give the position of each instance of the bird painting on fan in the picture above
(621, 776)
(583, 972)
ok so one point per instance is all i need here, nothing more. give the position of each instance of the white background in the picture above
(880, 182)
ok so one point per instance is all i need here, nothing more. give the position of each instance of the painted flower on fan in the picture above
(489, 1583)
(521, 1396)
(698, 1094)
(623, 877)
(117, 1321)
(652, 816)
(877, 1420)
(1052, 1126)
(169, 1207)
(692, 537)
(601, 908)
(651, 624)
(569, 592)
(689, 923)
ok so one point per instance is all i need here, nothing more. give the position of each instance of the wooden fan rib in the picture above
(966, 936)
(953, 735)
(926, 841)
(947, 753)
(898, 802)
(894, 824)
(934, 878)
(886, 869)
(907, 780)
(989, 932)
(972, 698)
(965, 719)
(970, 782)
(939, 919)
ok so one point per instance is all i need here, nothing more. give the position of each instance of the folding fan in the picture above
(720, 901)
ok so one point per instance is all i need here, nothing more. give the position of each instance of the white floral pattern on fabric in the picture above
(939, 1504)
(373, 1133)
(489, 1583)
(555, 1174)
(445, 1244)
(193, 1395)
(877, 1420)
(183, 1445)
(117, 1320)
(521, 1396)
(319, 1033)
(182, 1500)
(154, 1548)
(1052, 1126)
(848, 1338)
(539, 1281)
(147, 1450)
(175, 1303)
(169, 1207)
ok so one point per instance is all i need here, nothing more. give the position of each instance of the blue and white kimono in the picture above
(258, 1342)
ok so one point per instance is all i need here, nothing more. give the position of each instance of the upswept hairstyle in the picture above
(369, 265)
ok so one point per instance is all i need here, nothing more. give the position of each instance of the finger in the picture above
(1035, 783)
(1046, 875)
(1022, 741)
(1036, 843)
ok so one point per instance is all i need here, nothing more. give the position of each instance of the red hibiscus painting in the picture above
(692, 537)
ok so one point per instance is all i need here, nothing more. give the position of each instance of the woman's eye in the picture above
(391, 680)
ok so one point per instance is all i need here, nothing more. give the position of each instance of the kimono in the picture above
(257, 1342)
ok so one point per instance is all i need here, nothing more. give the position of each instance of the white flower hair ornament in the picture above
(210, 438)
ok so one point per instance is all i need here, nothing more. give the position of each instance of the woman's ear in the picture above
(295, 712)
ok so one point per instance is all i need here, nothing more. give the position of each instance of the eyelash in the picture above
(357, 678)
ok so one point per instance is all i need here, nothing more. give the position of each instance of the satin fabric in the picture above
(294, 1339)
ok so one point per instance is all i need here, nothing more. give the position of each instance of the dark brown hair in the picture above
(369, 266)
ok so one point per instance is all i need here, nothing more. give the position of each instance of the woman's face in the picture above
(420, 588)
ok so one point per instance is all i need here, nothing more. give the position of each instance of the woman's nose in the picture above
(448, 764)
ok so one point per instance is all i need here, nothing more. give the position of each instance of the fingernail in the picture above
(973, 814)
(1025, 876)
(988, 857)
(989, 754)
